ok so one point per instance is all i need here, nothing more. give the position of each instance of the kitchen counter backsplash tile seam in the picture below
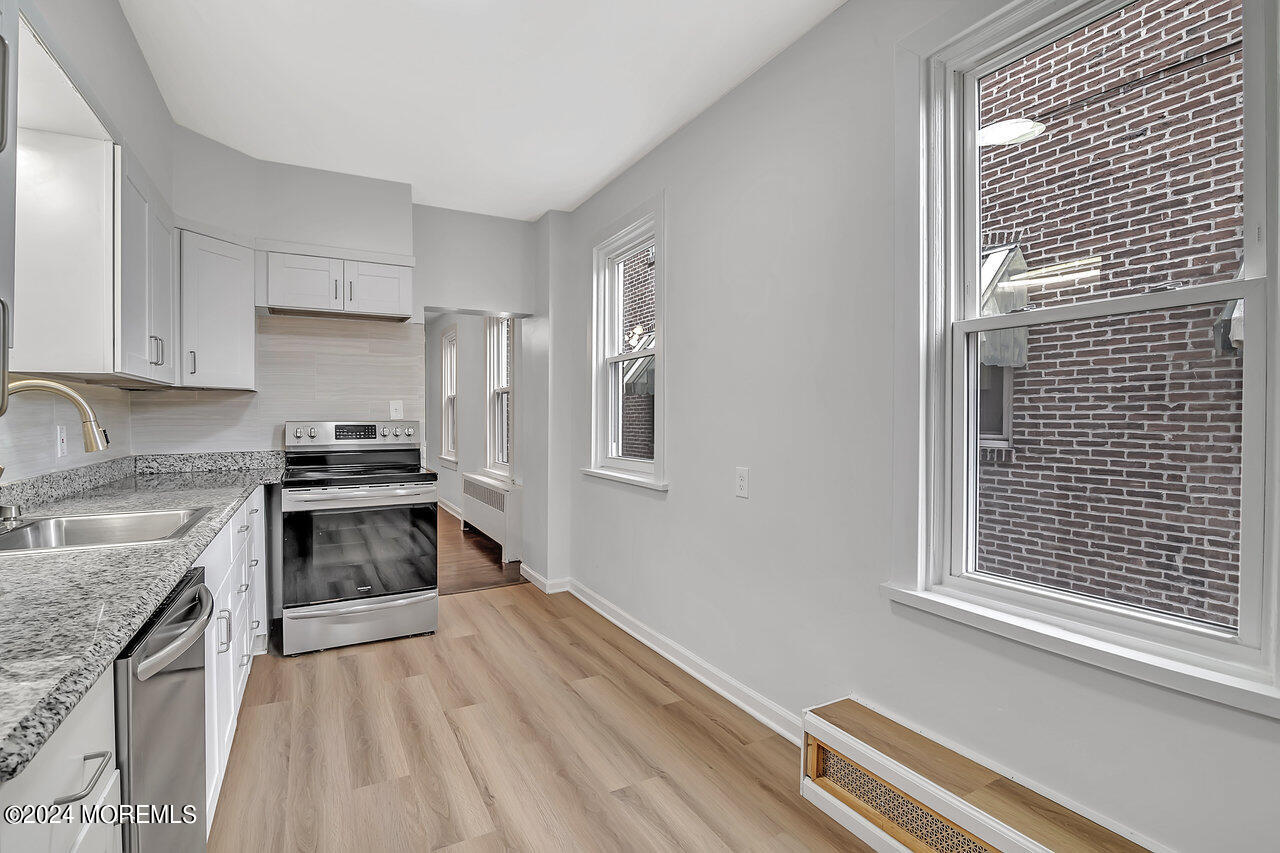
(71, 612)
(56, 485)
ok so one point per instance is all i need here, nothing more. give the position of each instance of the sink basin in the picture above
(56, 533)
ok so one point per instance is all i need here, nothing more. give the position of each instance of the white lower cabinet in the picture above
(75, 768)
(231, 575)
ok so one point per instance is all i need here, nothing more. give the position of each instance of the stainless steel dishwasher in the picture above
(160, 722)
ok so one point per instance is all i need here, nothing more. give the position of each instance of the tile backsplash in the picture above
(309, 368)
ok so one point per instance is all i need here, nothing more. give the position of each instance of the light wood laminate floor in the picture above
(529, 722)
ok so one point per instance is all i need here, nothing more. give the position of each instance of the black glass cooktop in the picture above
(354, 468)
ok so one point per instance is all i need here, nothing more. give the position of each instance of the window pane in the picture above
(638, 308)
(1123, 482)
(504, 427)
(633, 432)
(1136, 175)
(504, 339)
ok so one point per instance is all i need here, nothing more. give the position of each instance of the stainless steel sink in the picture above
(56, 533)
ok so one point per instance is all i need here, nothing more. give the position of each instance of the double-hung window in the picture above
(1101, 304)
(449, 395)
(499, 377)
(627, 441)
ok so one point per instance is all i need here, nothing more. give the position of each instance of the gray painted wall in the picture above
(779, 203)
(467, 260)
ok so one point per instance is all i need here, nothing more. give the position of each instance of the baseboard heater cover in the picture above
(890, 806)
(908, 821)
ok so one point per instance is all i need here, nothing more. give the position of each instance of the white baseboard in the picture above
(541, 581)
(784, 722)
(453, 510)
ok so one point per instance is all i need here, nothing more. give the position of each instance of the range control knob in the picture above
(385, 431)
(312, 432)
(408, 430)
(297, 432)
(396, 431)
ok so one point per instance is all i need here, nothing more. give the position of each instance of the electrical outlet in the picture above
(62, 441)
(397, 410)
(744, 482)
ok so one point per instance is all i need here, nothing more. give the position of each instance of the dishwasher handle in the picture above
(149, 666)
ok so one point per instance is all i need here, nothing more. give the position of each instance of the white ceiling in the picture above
(506, 107)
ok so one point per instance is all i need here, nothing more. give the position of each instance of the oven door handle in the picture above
(359, 608)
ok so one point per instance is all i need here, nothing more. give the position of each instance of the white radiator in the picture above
(493, 507)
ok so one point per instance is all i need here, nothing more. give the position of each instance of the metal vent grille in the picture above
(913, 824)
(484, 494)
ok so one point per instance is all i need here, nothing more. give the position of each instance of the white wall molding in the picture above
(784, 722)
(542, 582)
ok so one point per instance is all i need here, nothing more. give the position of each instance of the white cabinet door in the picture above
(304, 283)
(162, 303)
(380, 289)
(217, 313)
(134, 353)
(220, 692)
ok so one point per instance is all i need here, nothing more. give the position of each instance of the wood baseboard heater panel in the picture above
(898, 790)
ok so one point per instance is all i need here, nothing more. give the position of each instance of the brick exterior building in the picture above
(1122, 478)
(638, 312)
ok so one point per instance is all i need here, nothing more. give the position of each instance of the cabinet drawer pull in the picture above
(244, 659)
(253, 511)
(225, 645)
(192, 353)
(244, 528)
(244, 587)
(103, 758)
(256, 624)
(253, 562)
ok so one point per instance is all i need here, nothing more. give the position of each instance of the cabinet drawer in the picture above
(240, 528)
(216, 559)
(80, 752)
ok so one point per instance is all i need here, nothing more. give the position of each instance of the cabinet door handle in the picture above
(255, 624)
(351, 291)
(253, 512)
(104, 759)
(161, 340)
(336, 294)
(242, 528)
(225, 645)
(192, 353)
(4, 303)
(244, 587)
(244, 659)
(253, 562)
(153, 350)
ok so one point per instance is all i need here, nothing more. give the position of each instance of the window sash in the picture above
(449, 395)
(499, 365)
(643, 229)
(952, 233)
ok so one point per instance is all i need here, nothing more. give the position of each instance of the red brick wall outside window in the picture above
(1122, 481)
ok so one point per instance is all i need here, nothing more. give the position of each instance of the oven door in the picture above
(348, 543)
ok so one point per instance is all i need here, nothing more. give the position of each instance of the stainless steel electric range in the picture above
(358, 535)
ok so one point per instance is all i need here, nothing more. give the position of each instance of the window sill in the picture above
(451, 464)
(1249, 694)
(630, 479)
(487, 478)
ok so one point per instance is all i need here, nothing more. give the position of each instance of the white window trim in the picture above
(642, 226)
(449, 381)
(493, 363)
(935, 90)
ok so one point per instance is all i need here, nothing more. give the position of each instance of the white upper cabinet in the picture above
(304, 283)
(134, 355)
(333, 286)
(162, 302)
(378, 289)
(218, 324)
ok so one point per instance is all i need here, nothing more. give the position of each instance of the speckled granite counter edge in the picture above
(172, 560)
(56, 485)
(227, 460)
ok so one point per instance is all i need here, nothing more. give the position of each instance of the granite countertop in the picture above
(65, 615)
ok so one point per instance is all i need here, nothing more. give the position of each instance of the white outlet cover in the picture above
(397, 410)
(743, 482)
(61, 437)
